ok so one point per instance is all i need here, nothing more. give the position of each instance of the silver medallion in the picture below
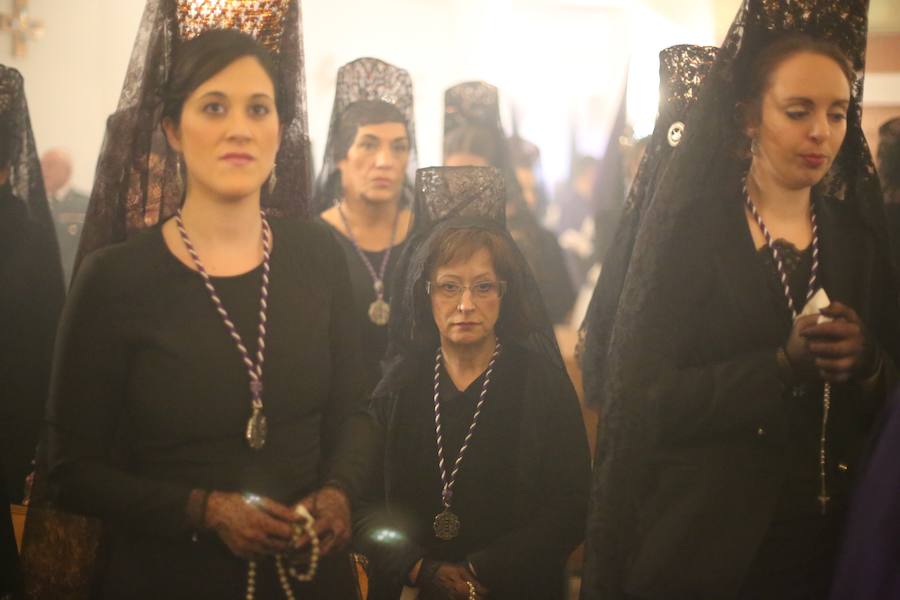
(446, 525)
(676, 132)
(380, 312)
(256, 429)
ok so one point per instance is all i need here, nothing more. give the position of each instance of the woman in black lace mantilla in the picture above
(734, 422)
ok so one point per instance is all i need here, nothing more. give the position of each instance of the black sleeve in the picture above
(32, 298)
(377, 533)
(689, 390)
(558, 525)
(347, 433)
(87, 395)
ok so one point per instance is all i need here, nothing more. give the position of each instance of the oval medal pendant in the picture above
(256, 429)
(446, 525)
(380, 312)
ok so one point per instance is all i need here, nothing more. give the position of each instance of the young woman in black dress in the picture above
(734, 422)
(208, 369)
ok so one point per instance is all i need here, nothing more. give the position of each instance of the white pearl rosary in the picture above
(297, 532)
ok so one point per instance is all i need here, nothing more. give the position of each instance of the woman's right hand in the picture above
(797, 349)
(250, 526)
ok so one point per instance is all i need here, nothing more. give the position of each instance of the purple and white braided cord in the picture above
(254, 370)
(813, 280)
(447, 493)
(377, 278)
(779, 262)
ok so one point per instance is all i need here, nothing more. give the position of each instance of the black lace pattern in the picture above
(447, 192)
(471, 103)
(797, 266)
(682, 70)
(25, 176)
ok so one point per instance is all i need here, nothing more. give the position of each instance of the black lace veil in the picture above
(457, 198)
(31, 272)
(357, 81)
(136, 184)
(682, 70)
(706, 167)
(25, 176)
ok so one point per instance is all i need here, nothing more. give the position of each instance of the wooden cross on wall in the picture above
(20, 26)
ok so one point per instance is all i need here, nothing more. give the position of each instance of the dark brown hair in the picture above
(199, 59)
(471, 139)
(359, 114)
(461, 244)
(760, 69)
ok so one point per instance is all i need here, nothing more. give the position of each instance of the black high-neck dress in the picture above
(374, 337)
(521, 492)
(150, 399)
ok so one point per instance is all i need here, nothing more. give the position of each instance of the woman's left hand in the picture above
(330, 508)
(452, 582)
(839, 346)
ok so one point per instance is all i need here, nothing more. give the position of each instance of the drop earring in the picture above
(273, 179)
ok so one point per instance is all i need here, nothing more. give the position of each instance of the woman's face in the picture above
(803, 120)
(375, 166)
(465, 300)
(229, 131)
(466, 159)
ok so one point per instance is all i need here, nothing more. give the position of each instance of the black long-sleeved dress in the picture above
(149, 399)
(374, 337)
(521, 492)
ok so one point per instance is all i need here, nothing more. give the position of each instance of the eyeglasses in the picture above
(450, 290)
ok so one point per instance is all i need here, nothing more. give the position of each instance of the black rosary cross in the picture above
(20, 26)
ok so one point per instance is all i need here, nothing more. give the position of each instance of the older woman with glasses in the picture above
(482, 484)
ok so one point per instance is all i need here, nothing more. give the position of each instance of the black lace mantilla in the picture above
(682, 70)
(471, 103)
(447, 192)
(25, 168)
